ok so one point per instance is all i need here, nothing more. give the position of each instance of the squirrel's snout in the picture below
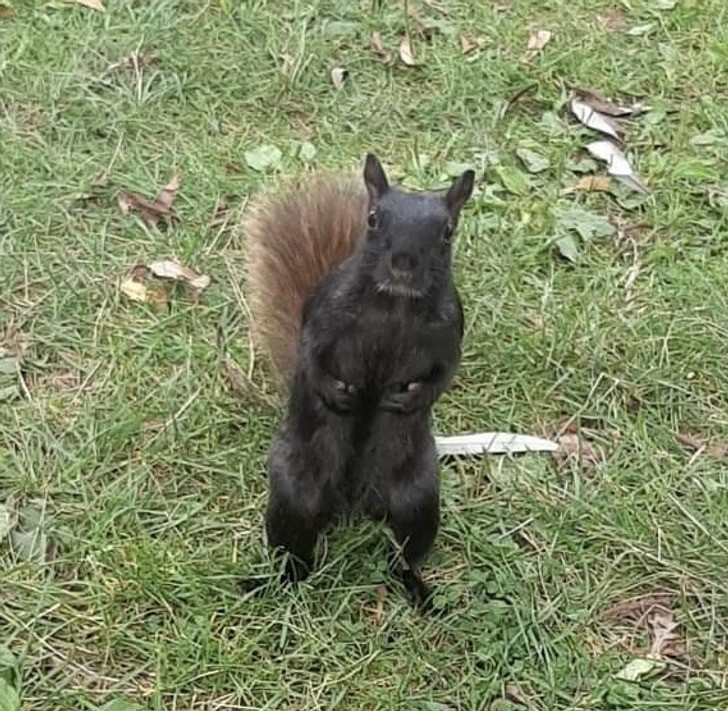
(402, 265)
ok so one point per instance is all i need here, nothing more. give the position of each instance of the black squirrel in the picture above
(351, 294)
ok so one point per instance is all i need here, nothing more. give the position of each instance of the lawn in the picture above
(133, 435)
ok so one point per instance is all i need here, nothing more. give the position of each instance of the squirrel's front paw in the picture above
(406, 398)
(339, 396)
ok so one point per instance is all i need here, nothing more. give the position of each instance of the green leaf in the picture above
(454, 169)
(340, 28)
(568, 247)
(640, 668)
(9, 392)
(8, 667)
(122, 705)
(588, 225)
(514, 181)
(8, 365)
(29, 539)
(9, 697)
(307, 152)
(534, 162)
(263, 157)
(585, 165)
(696, 171)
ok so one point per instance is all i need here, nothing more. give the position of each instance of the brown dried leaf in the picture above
(376, 611)
(611, 20)
(168, 193)
(151, 211)
(134, 290)
(169, 269)
(469, 44)
(514, 694)
(375, 44)
(664, 635)
(590, 184)
(714, 450)
(90, 4)
(406, 54)
(602, 105)
(573, 447)
(536, 42)
(339, 75)
(6, 12)
(636, 610)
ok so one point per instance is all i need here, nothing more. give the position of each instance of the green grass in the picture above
(150, 470)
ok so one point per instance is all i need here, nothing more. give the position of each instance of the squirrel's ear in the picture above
(375, 177)
(460, 192)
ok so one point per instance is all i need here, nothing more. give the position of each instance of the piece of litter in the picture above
(491, 443)
(617, 164)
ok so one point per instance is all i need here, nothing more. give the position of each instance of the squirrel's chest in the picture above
(385, 343)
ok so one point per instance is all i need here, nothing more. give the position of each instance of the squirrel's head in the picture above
(409, 235)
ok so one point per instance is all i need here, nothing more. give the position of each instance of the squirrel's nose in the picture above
(402, 264)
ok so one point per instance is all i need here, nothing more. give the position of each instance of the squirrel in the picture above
(351, 295)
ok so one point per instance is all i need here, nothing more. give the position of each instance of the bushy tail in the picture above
(294, 237)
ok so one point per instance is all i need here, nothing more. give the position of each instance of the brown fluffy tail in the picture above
(294, 237)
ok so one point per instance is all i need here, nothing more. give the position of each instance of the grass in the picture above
(149, 470)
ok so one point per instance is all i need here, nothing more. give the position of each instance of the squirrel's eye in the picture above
(372, 220)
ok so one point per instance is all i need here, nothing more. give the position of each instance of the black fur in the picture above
(380, 342)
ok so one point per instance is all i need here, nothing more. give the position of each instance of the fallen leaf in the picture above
(90, 4)
(572, 447)
(307, 152)
(263, 157)
(29, 538)
(9, 697)
(375, 44)
(666, 4)
(640, 668)
(491, 443)
(605, 106)
(151, 211)
(635, 611)
(376, 612)
(469, 44)
(617, 164)
(134, 290)
(405, 52)
(663, 630)
(588, 225)
(536, 42)
(514, 181)
(568, 247)
(534, 161)
(640, 30)
(611, 20)
(593, 119)
(717, 451)
(6, 12)
(339, 75)
(590, 184)
(514, 694)
(169, 191)
(169, 269)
